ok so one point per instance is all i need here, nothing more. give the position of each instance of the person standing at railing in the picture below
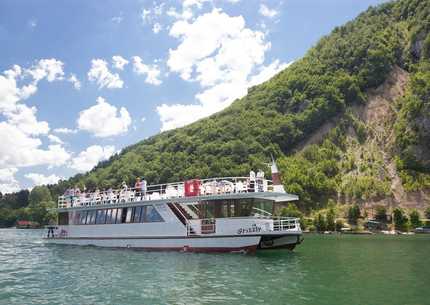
(251, 181)
(260, 178)
(143, 187)
(138, 187)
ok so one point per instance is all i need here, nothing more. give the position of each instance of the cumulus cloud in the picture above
(266, 11)
(152, 72)
(8, 182)
(19, 145)
(103, 119)
(100, 74)
(18, 149)
(91, 156)
(64, 130)
(51, 69)
(40, 179)
(119, 62)
(221, 54)
(156, 28)
(75, 81)
(55, 139)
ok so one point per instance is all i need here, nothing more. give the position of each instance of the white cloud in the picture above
(51, 69)
(18, 149)
(90, 157)
(40, 179)
(100, 74)
(24, 118)
(8, 182)
(156, 28)
(103, 119)
(55, 139)
(152, 72)
(266, 11)
(75, 81)
(65, 130)
(119, 62)
(223, 55)
(19, 146)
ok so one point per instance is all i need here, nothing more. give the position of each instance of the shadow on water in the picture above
(323, 270)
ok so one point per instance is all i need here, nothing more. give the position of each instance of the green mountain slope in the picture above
(349, 122)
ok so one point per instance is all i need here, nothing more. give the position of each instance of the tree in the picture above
(353, 214)
(39, 194)
(331, 218)
(41, 205)
(381, 213)
(400, 220)
(414, 217)
(320, 223)
(427, 213)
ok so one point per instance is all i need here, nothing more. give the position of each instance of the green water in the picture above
(323, 270)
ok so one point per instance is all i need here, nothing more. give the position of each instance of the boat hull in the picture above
(245, 244)
(184, 244)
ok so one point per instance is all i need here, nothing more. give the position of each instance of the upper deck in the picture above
(187, 191)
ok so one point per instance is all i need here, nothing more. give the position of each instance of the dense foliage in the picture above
(278, 116)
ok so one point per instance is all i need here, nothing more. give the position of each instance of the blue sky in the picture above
(81, 80)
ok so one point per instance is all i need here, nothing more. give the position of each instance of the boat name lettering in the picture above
(253, 229)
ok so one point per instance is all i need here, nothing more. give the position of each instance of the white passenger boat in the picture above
(229, 214)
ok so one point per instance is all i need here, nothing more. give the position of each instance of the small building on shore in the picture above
(26, 224)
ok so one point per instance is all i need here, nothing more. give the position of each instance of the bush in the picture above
(320, 223)
(331, 217)
(381, 213)
(427, 213)
(414, 217)
(400, 219)
(354, 214)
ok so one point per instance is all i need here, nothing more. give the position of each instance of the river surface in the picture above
(323, 270)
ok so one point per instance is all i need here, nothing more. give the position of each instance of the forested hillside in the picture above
(349, 122)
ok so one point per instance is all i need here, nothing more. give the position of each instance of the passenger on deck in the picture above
(143, 187)
(260, 178)
(124, 186)
(251, 181)
(138, 187)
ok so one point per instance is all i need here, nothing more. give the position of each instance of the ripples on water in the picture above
(324, 270)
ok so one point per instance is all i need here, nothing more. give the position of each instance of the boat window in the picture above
(129, 215)
(152, 215)
(82, 217)
(109, 216)
(113, 217)
(91, 218)
(143, 214)
(119, 216)
(235, 208)
(76, 218)
(101, 217)
(137, 212)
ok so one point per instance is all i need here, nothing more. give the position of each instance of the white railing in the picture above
(206, 187)
(246, 225)
(286, 223)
